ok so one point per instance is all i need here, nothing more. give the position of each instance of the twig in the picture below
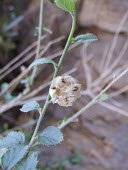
(37, 98)
(30, 55)
(111, 50)
(118, 92)
(115, 73)
(114, 64)
(39, 40)
(115, 40)
(76, 115)
(18, 64)
(10, 104)
(102, 64)
(50, 43)
(113, 108)
(12, 85)
(25, 125)
(20, 55)
(87, 70)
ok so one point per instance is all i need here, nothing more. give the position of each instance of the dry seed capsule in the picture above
(65, 90)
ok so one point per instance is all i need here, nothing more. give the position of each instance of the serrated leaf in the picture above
(85, 38)
(42, 61)
(50, 136)
(12, 140)
(66, 5)
(2, 152)
(33, 105)
(28, 163)
(103, 97)
(12, 157)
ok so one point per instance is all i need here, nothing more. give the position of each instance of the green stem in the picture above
(39, 121)
(69, 41)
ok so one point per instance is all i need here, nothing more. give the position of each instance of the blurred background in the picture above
(99, 139)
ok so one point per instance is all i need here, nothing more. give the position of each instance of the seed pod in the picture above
(65, 90)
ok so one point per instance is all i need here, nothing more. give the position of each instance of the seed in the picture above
(75, 89)
(53, 88)
(63, 81)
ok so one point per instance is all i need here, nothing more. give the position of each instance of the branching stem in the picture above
(69, 41)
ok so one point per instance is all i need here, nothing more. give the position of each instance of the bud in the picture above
(65, 90)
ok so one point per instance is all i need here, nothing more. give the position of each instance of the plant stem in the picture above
(39, 41)
(69, 41)
(39, 121)
(76, 115)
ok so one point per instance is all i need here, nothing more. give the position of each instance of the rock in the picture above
(105, 14)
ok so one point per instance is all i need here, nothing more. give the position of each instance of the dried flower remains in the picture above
(65, 90)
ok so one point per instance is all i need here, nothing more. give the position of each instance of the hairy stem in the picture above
(39, 41)
(76, 115)
(69, 41)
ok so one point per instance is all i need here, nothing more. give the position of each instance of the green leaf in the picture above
(50, 136)
(103, 97)
(28, 163)
(42, 61)
(85, 38)
(66, 5)
(33, 105)
(2, 152)
(12, 140)
(12, 157)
